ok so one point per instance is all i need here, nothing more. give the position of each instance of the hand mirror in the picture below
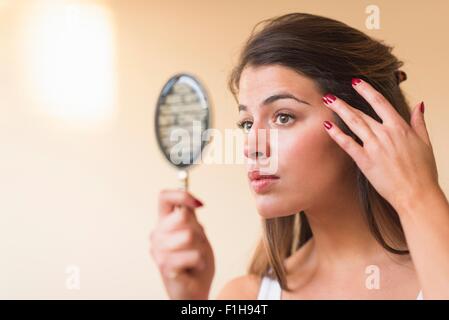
(182, 117)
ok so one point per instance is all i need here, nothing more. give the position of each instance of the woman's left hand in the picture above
(397, 158)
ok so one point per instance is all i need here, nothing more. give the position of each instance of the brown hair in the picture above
(330, 53)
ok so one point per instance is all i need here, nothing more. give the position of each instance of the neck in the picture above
(340, 232)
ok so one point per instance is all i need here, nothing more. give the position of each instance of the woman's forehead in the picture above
(257, 83)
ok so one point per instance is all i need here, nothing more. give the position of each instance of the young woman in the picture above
(356, 192)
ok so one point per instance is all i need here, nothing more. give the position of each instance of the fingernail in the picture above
(421, 107)
(198, 203)
(329, 98)
(356, 81)
(327, 124)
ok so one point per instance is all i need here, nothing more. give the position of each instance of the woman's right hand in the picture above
(180, 248)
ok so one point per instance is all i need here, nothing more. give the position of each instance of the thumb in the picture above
(418, 123)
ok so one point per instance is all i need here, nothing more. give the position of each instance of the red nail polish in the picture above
(198, 203)
(329, 98)
(327, 124)
(421, 107)
(355, 81)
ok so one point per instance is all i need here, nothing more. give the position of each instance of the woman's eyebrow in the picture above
(275, 97)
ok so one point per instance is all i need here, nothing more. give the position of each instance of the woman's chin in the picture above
(273, 209)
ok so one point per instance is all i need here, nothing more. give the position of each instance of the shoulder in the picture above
(245, 287)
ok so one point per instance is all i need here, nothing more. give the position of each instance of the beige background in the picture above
(80, 170)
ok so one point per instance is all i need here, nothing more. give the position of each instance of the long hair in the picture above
(330, 53)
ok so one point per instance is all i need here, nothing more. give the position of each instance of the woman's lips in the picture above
(260, 182)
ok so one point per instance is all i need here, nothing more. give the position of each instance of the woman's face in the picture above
(310, 166)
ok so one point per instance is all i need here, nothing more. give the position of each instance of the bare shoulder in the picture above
(245, 287)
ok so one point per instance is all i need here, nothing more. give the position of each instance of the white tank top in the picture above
(270, 289)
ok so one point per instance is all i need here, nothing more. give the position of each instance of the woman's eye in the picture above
(245, 126)
(283, 118)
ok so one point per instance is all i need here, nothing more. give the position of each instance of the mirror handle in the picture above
(183, 177)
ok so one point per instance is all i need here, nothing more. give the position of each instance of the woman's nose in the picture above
(257, 144)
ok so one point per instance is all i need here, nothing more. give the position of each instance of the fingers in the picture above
(347, 143)
(380, 104)
(177, 262)
(175, 251)
(181, 218)
(180, 229)
(418, 123)
(180, 240)
(169, 199)
(372, 123)
(357, 122)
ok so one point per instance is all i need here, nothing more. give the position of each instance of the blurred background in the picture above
(80, 169)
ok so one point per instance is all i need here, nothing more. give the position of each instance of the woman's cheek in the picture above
(305, 156)
(301, 144)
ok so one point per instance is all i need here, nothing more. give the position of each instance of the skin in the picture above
(309, 163)
(315, 176)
